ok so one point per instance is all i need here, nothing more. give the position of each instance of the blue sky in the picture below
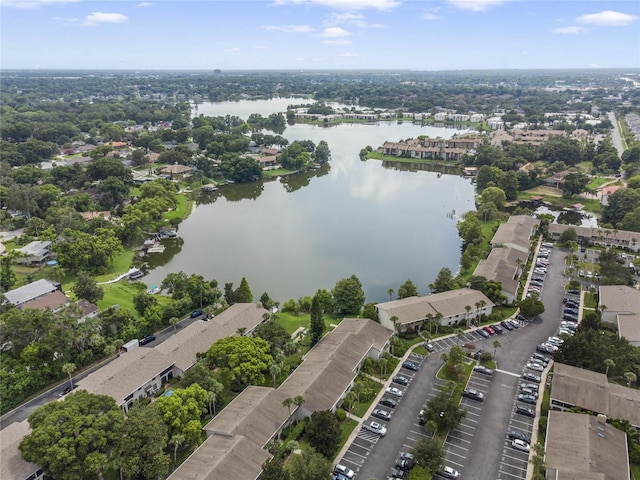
(319, 34)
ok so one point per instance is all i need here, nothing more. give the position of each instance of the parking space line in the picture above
(511, 474)
(509, 373)
(449, 452)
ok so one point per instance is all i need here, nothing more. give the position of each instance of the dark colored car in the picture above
(526, 411)
(517, 435)
(408, 457)
(522, 318)
(381, 414)
(397, 473)
(530, 399)
(498, 329)
(506, 325)
(147, 339)
(404, 464)
(482, 369)
(400, 380)
(411, 366)
(574, 292)
(196, 313)
(473, 394)
(388, 402)
(544, 349)
(67, 389)
(483, 333)
(531, 377)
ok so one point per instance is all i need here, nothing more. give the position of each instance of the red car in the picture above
(489, 330)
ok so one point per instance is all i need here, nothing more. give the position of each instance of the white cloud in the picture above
(335, 32)
(350, 19)
(593, 65)
(348, 5)
(32, 3)
(337, 42)
(100, 17)
(475, 5)
(260, 47)
(144, 4)
(348, 54)
(571, 30)
(607, 18)
(234, 50)
(430, 16)
(68, 19)
(289, 28)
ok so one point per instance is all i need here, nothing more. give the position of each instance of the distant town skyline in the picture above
(319, 34)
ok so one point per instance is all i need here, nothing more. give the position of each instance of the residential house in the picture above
(12, 465)
(34, 253)
(54, 301)
(605, 192)
(584, 447)
(32, 291)
(557, 179)
(176, 172)
(413, 312)
(576, 387)
(87, 310)
(620, 307)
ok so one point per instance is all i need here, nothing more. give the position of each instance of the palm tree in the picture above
(459, 332)
(174, 321)
(176, 440)
(482, 305)
(212, 397)
(391, 291)
(383, 362)
(438, 317)
(467, 309)
(609, 363)
(630, 377)
(477, 312)
(209, 311)
(69, 368)
(429, 318)
(241, 331)
(299, 400)
(349, 399)
(496, 345)
(287, 402)
(275, 371)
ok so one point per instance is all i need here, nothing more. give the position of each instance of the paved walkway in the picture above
(119, 277)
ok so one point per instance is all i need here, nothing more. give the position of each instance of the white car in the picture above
(377, 428)
(394, 391)
(448, 472)
(538, 367)
(344, 470)
(520, 445)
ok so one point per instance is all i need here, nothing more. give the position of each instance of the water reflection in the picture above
(570, 217)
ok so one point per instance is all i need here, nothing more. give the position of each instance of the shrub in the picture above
(341, 415)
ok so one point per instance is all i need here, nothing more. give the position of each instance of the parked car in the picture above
(532, 386)
(520, 445)
(411, 366)
(147, 339)
(344, 470)
(381, 414)
(483, 333)
(400, 380)
(375, 427)
(515, 434)
(506, 325)
(526, 411)
(530, 399)
(514, 323)
(532, 377)
(67, 389)
(339, 476)
(388, 402)
(429, 347)
(498, 329)
(397, 473)
(404, 464)
(544, 359)
(396, 392)
(196, 313)
(448, 472)
(482, 369)
(407, 456)
(489, 330)
(538, 367)
(473, 394)
(529, 391)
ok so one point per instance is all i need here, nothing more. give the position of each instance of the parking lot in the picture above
(479, 447)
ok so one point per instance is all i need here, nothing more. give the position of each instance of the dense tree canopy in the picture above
(247, 358)
(348, 296)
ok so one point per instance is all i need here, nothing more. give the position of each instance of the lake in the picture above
(294, 235)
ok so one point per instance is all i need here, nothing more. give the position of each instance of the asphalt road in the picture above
(615, 135)
(478, 448)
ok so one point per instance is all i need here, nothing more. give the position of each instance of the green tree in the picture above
(274, 333)
(317, 322)
(444, 410)
(310, 465)
(531, 307)
(494, 195)
(429, 453)
(619, 204)
(509, 183)
(496, 345)
(322, 153)
(323, 433)
(348, 296)
(69, 368)
(142, 444)
(274, 470)
(444, 281)
(83, 444)
(407, 289)
(243, 293)
(568, 235)
(247, 358)
(7, 276)
(181, 411)
(574, 184)
(87, 288)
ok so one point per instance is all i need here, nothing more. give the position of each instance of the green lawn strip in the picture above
(292, 322)
(360, 408)
(467, 368)
(590, 300)
(635, 471)
(119, 265)
(346, 427)
(119, 293)
(597, 182)
(420, 351)
(276, 172)
(182, 210)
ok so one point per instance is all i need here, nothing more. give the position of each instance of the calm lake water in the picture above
(294, 235)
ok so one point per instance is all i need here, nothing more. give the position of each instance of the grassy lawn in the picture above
(503, 312)
(467, 367)
(346, 427)
(292, 322)
(635, 471)
(182, 211)
(597, 182)
(554, 197)
(276, 172)
(119, 293)
(590, 300)
(360, 408)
